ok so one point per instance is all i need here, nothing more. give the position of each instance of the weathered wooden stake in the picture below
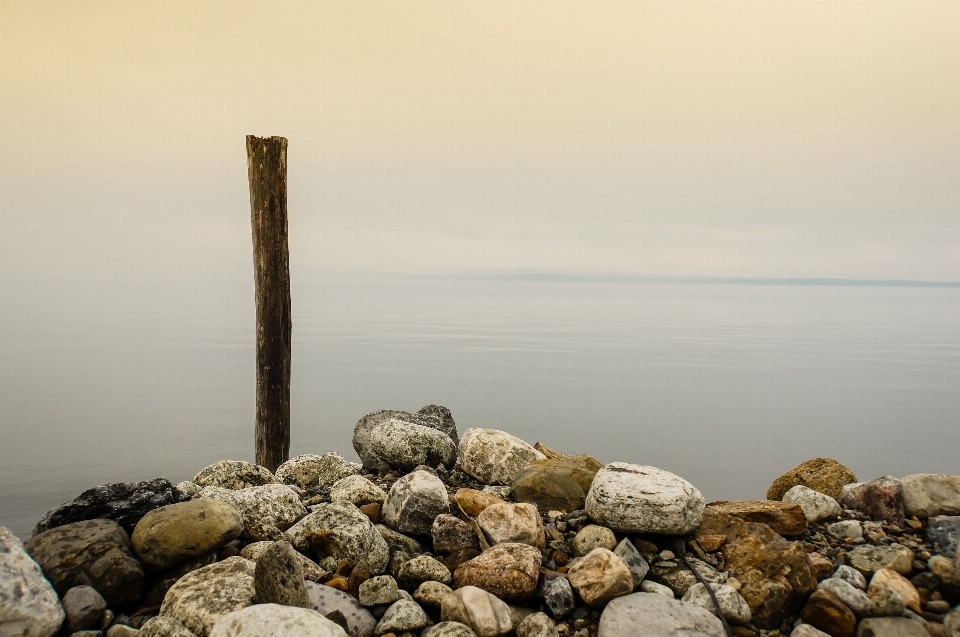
(267, 172)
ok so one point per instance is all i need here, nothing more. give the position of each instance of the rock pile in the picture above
(483, 535)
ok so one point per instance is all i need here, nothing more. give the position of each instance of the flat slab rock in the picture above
(654, 615)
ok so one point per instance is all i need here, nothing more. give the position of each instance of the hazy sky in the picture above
(762, 138)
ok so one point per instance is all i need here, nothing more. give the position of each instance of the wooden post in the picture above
(267, 172)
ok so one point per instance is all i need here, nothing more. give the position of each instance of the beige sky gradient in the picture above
(761, 138)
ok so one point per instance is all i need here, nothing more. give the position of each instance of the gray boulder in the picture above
(278, 577)
(332, 467)
(928, 494)
(450, 534)
(398, 542)
(28, 603)
(414, 501)
(339, 530)
(328, 601)
(405, 446)
(733, 606)
(432, 416)
(357, 490)
(816, 506)
(852, 597)
(891, 627)
(267, 510)
(657, 616)
(233, 474)
(200, 598)
(851, 576)
(84, 608)
(303, 470)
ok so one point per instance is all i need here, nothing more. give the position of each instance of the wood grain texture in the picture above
(267, 172)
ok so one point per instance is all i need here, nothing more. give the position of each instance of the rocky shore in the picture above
(484, 535)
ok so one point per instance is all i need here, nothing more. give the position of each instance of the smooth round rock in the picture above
(200, 598)
(886, 578)
(414, 501)
(403, 616)
(592, 537)
(929, 494)
(494, 457)
(233, 474)
(277, 621)
(172, 534)
(657, 616)
(552, 485)
(852, 597)
(28, 603)
(432, 416)
(870, 559)
(84, 608)
(537, 625)
(600, 576)
(378, 590)
(420, 569)
(430, 595)
(639, 499)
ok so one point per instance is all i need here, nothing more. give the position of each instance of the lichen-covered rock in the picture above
(205, 595)
(870, 559)
(328, 601)
(509, 571)
(451, 534)
(733, 606)
(403, 616)
(820, 474)
(600, 576)
(639, 499)
(161, 626)
(880, 499)
(339, 530)
(303, 470)
(512, 523)
(267, 510)
(123, 502)
(278, 577)
(28, 603)
(311, 570)
(657, 616)
(432, 416)
(886, 578)
(494, 457)
(486, 615)
(332, 467)
(405, 446)
(178, 532)
(414, 501)
(638, 566)
(473, 502)
(234, 474)
(816, 506)
(93, 553)
(277, 621)
(357, 490)
(929, 494)
(422, 568)
(592, 537)
(552, 485)
(784, 518)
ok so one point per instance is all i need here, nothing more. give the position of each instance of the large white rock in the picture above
(928, 494)
(267, 510)
(414, 501)
(277, 621)
(28, 603)
(816, 506)
(494, 457)
(654, 615)
(635, 498)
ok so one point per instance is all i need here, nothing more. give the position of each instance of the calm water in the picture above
(726, 385)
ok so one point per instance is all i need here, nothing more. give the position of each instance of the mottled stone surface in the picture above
(600, 576)
(414, 501)
(851, 576)
(430, 595)
(891, 627)
(405, 446)
(94, 553)
(820, 474)
(827, 613)
(176, 533)
(161, 626)
(784, 518)
(473, 502)
(449, 629)
(657, 616)
(556, 593)
(943, 534)
(509, 571)
(398, 542)
(676, 575)
(267, 510)
(233, 474)
(205, 595)
(422, 568)
(378, 590)
(494, 457)
(537, 625)
(403, 616)
(732, 605)
(357, 490)
(432, 416)
(340, 531)
(929, 494)
(278, 577)
(640, 499)
(886, 578)
(512, 523)
(486, 615)
(311, 570)
(592, 537)
(816, 506)
(852, 597)
(880, 499)
(806, 630)
(869, 559)
(846, 530)
(303, 470)
(28, 603)
(123, 502)
(451, 534)
(277, 621)
(327, 600)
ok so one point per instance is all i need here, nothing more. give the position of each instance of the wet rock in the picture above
(311, 570)
(785, 518)
(891, 627)
(483, 613)
(176, 533)
(233, 474)
(880, 499)
(886, 578)
(494, 457)
(638, 566)
(164, 627)
(887, 602)
(357, 490)
(820, 474)
(852, 597)
(552, 485)
(414, 501)
(449, 629)
(278, 577)
(639, 499)
(943, 534)
(929, 494)
(509, 571)
(600, 576)
(277, 621)
(537, 625)
(870, 559)
(340, 531)
(432, 416)
(655, 588)
(327, 601)
(473, 502)
(267, 511)
(403, 616)
(28, 603)
(405, 445)
(816, 506)
(84, 608)
(451, 534)
(430, 596)
(846, 530)
(512, 523)
(827, 613)
(379, 590)
(733, 606)
(592, 537)
(657, 616)
(775, 574)
(93, 553)
(422, 568)
(851, 576)
(202, 597)
(123, 502)
(556, 593)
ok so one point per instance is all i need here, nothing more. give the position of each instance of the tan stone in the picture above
(886, 578)
(827, 613)
(486, 615)
(171, 534)
(600, 576)
(473, 502)
(509, 571)
(710, 543)
(820, 474)
(506, 522)
(784, 518)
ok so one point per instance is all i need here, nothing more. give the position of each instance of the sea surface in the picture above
(727, 385)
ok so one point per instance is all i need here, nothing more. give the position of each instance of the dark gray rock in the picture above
(90, 553)
(557, 594)
(943, 534)
(399, 542)
(123, 502)
(432, 416)
(84, 608)
(451, 534)
(638, 566)
(278, 577)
